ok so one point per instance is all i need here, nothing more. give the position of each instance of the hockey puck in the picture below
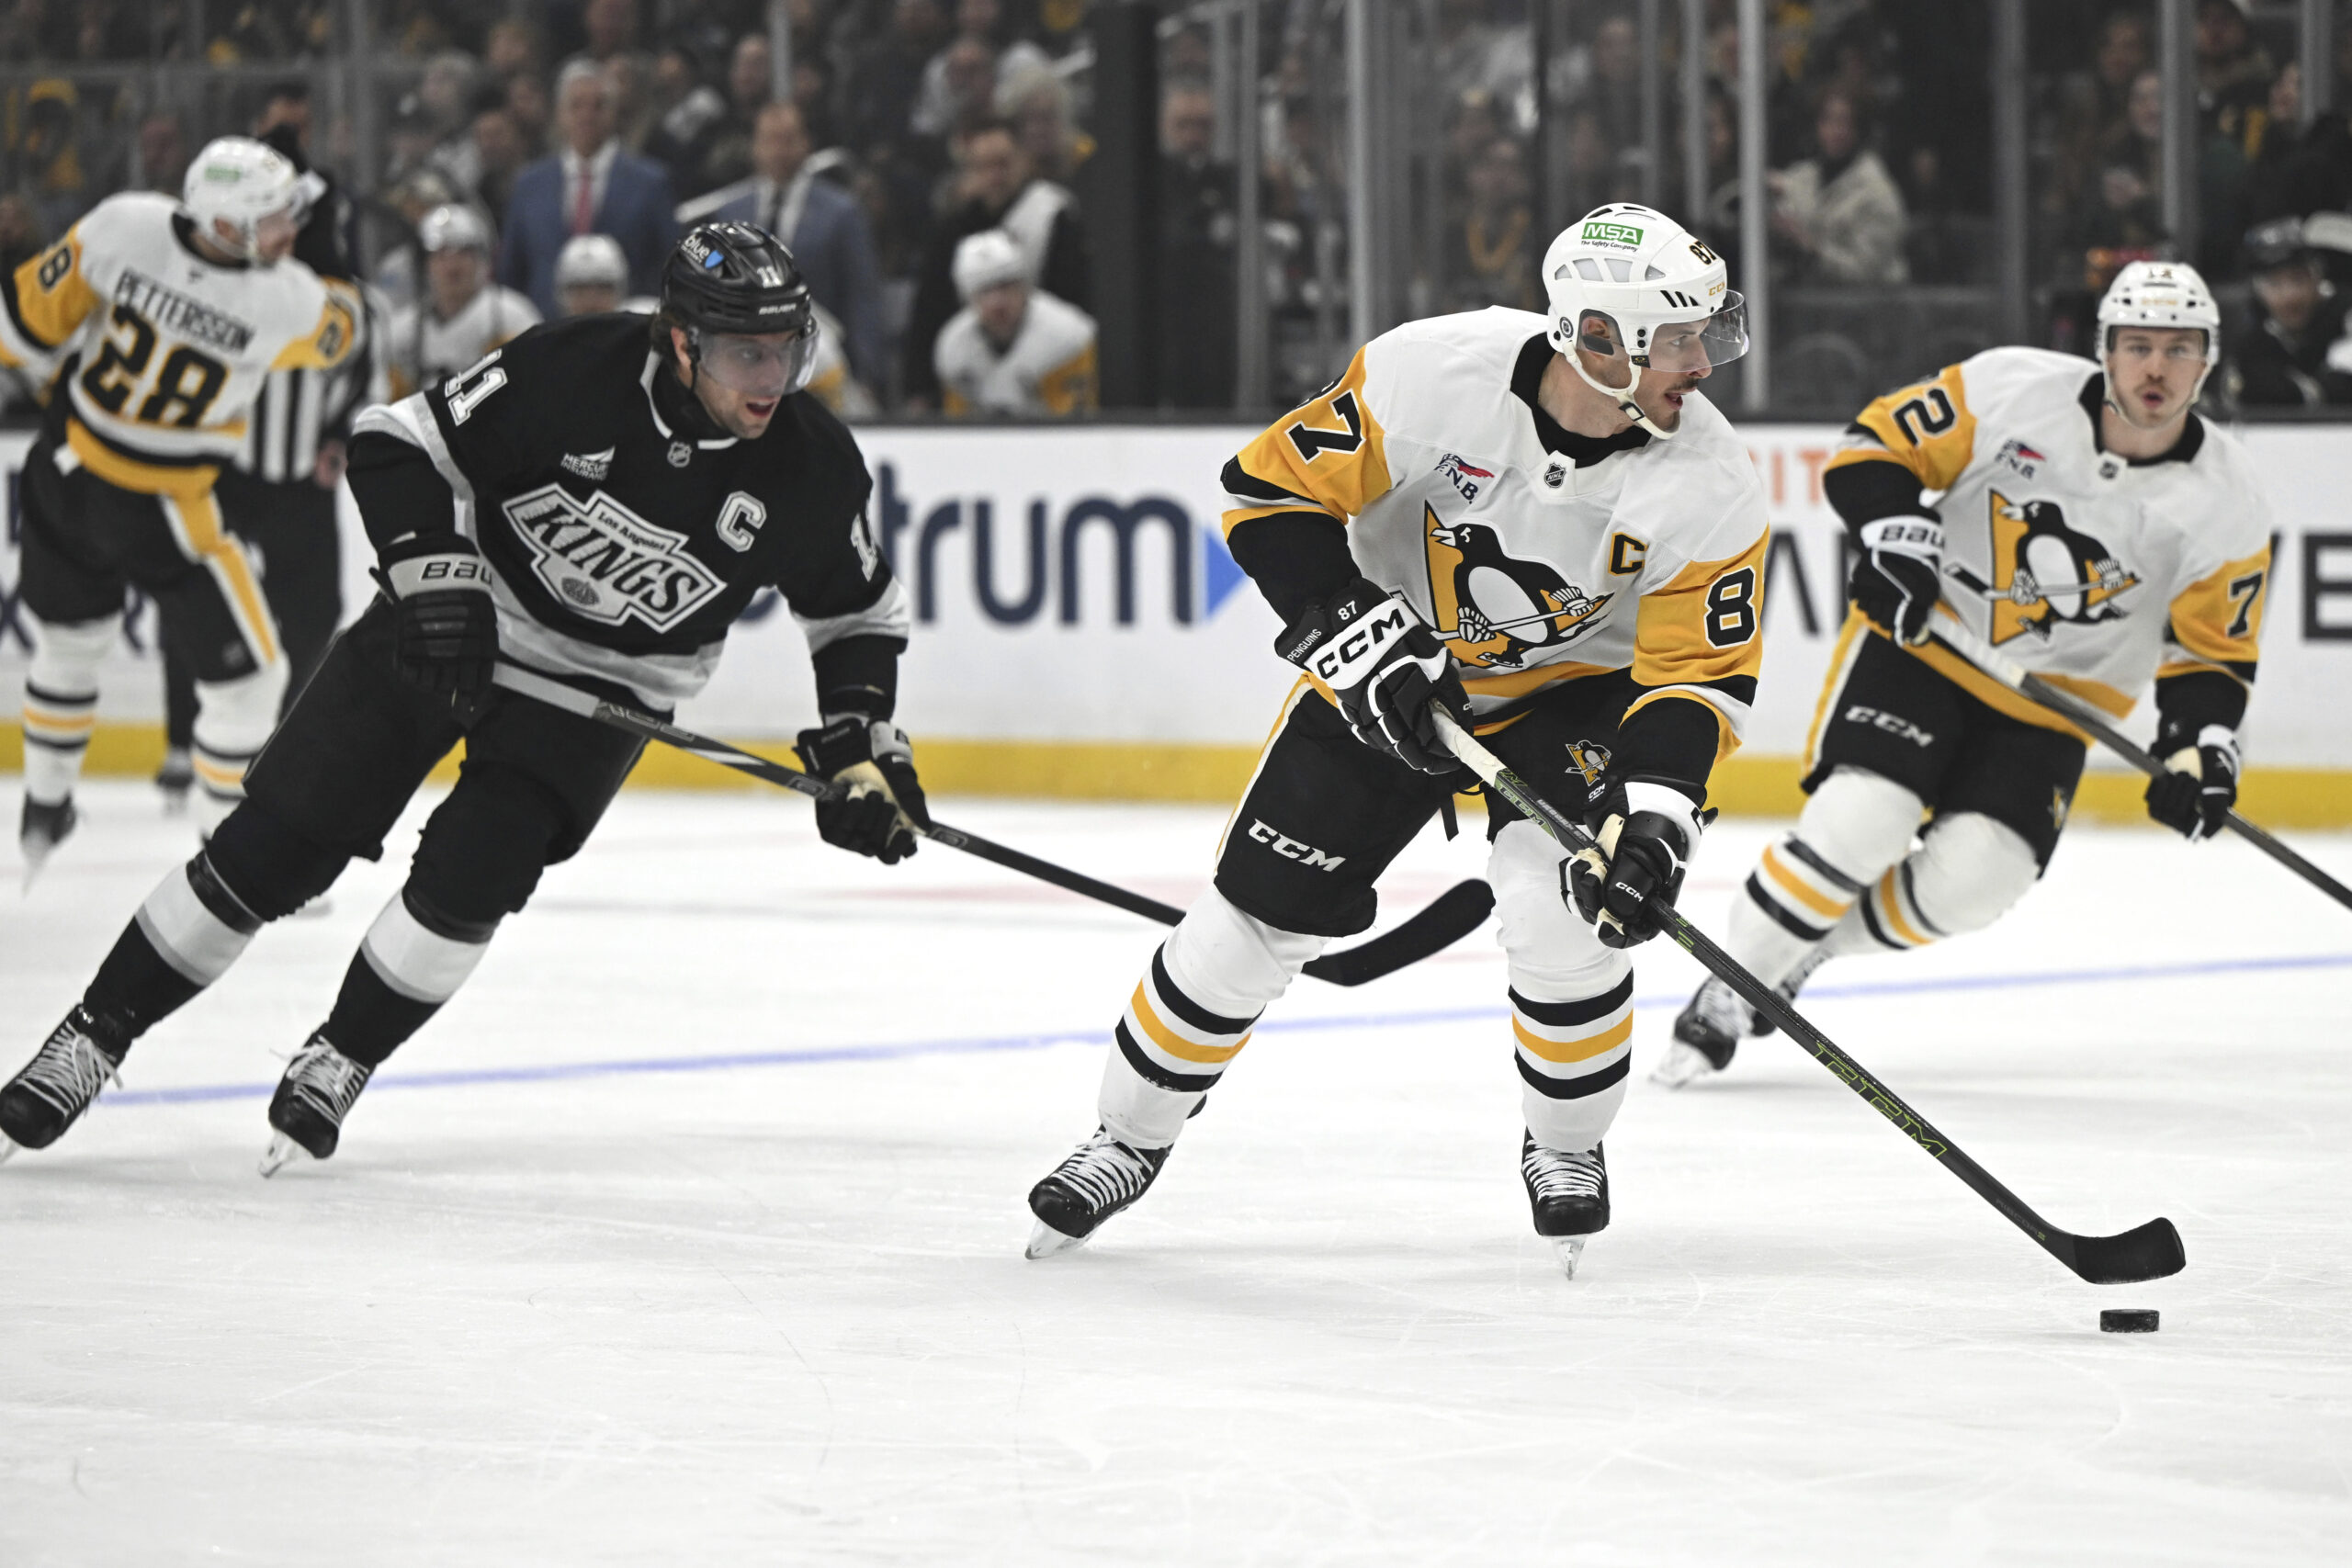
(2127, 1320)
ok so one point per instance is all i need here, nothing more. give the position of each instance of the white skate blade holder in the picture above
(1044, 1241)
(1568, 1249)
(7, 1149)
(1683, 1064)
(281, 1150)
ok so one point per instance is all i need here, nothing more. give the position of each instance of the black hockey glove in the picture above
(885, 804)
(1648, 830)
(1899, 574)
(1384, 666)
(2199, 783)
(445, 637)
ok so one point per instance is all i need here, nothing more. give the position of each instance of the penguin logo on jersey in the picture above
(2046, 571)
(1492, 608)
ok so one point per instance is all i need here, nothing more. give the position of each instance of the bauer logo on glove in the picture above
(884, 812)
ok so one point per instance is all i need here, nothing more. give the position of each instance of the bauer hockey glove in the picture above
(1899, 574)
(2193, 795)
(445, 627)
(1385, 667)
(885, 804)
(1647, 830)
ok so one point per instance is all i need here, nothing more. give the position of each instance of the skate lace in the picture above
(1104, 1172)
(1551, 1174)
(1722, 1008)
(327, 1078)
(69, 1070)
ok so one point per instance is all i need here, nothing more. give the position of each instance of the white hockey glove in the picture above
(1899, 574)
(2199, 784)
(1385, 667)
(1647, 830)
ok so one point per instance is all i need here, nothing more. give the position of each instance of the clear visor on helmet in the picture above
(771, 365)
(1680, 347)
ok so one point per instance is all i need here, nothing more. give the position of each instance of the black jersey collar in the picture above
(2192, 433)
(183, 230)
(1527, 384)
(677, 412)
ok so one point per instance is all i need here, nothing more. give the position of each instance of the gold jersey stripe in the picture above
(1329, 449)
(1926, 427)
(1174, 1043)
(1803, 892)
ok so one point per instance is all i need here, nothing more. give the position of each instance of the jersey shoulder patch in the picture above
(1444, 382)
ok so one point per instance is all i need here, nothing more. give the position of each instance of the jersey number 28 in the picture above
(185, 385)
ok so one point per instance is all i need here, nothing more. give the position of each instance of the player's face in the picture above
(743, 377)
(590, 298)
(274, 237)
(2154, 372)
(456, 277)
(1000, 309)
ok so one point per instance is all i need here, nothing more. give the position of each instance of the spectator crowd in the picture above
(906, 130)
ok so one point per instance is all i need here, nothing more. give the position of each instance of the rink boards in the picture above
(1080, 631)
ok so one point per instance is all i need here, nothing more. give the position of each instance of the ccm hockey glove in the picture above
(445, 630)
(2199, 783)
(885, 804)
(1899, 574)
(1648, 830)
(1384, 666)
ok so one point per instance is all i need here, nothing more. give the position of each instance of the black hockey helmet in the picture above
(727, 284)
(2275, 244)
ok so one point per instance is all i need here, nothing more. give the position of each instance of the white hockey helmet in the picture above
(987, 259)
(2159, 294)
(1645, 274)
(452, 227)
(592, 260)
(239, 181)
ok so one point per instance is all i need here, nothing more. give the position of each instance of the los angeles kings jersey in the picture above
(1531, 569)
(171, 348)
(622, 548)
(2096, 572)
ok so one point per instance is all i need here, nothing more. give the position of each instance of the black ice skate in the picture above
(1707, 1031)
(313, 1099)
(40, 829)
(175, 778)
(56, 1086)
(1569, 1194)
(1103, 1176)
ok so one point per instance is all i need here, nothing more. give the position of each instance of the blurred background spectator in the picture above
(592, 186)
(1839, 212)
(2293, 353)
(1014, 349)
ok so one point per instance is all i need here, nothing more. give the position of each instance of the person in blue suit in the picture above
(822, 224)
(592, 186)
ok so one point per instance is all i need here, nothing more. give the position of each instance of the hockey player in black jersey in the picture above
(591, 505)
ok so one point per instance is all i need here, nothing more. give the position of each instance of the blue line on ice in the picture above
(974, 1045)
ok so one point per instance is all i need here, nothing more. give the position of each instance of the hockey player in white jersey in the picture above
(171, 315)
(1544, 524)
(2096, 532)
(463, 315)
(1014, 348)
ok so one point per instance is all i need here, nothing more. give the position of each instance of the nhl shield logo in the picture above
(679, 453)
(1555, 474)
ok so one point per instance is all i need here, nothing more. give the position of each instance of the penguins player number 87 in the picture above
(1731, 608)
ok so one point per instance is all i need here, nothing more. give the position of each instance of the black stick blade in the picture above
(1452, 914)
(2147, 1252)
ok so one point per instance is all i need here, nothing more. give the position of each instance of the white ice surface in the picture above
(640, 1304)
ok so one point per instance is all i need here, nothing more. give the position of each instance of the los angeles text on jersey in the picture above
(607, 563)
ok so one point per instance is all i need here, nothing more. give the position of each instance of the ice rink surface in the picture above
(691, 1233)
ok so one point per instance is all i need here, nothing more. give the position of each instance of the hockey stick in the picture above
(1452, 914)
(1971, 650)
(2148, 1252)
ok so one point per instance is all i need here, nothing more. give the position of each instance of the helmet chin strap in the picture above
(1624, 395)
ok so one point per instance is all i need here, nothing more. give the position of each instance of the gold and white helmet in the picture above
(1664, 294)
(238, 181)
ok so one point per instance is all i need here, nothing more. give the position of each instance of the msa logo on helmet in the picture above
(1611, 234)
(607, 564)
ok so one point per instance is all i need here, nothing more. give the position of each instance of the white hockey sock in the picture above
(1964, 874)
(233, 720)
(61, 703)
(1805, 888)
(1190, 1014)
(1571, 998)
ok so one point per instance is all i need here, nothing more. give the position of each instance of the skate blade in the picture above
(1044, 1241)
(281, 1150)
(9, 1147)
(1683, 1065)
(1567, 1249)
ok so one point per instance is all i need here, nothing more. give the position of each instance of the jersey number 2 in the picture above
(1930, 413)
